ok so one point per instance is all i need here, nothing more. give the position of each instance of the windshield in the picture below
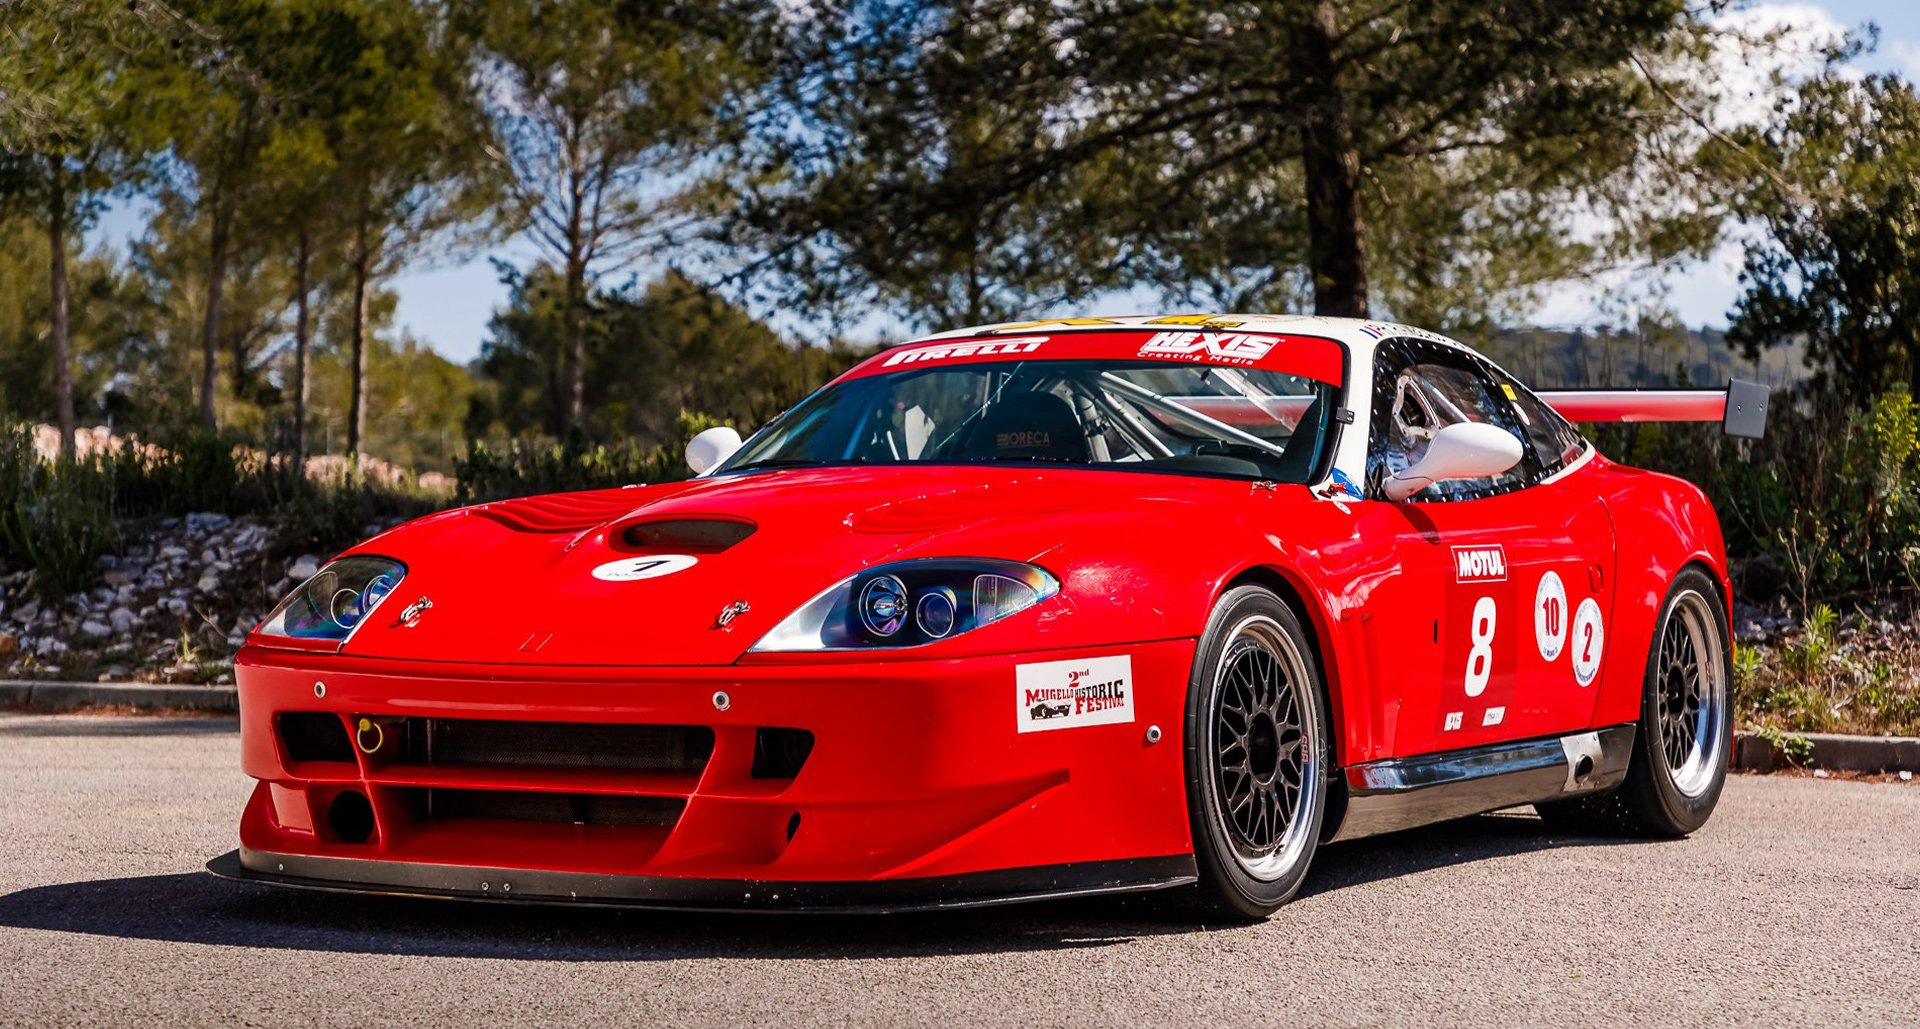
(1118, 414)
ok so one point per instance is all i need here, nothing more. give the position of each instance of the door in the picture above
(1478, 637)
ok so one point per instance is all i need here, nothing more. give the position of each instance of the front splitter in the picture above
(673, 893)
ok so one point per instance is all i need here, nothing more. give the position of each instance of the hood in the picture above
(640, 576)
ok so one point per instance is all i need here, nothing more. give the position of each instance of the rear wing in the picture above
(1741, 408)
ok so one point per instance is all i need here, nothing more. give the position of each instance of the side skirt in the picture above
(1400, 793)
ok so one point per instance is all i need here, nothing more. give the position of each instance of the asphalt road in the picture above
(1798, 904)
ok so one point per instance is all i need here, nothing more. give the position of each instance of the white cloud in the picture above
(1905, 55)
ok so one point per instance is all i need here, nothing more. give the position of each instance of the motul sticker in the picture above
(1480, 564)
(1071, 694)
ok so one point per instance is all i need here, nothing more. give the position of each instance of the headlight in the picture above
(909, 603)
(336, 600)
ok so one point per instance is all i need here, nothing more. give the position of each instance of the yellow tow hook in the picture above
(368, 725)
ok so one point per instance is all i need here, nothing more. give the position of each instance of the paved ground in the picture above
(1798, 904)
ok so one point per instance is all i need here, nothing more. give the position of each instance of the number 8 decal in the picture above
(1480, 658)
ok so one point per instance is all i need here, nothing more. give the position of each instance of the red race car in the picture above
(1021, 611)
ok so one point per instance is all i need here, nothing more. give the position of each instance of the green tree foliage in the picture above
(1837, 270)
(66, 138)
(675, 347)
(599, 111)
(405, 139)
(1248, 152)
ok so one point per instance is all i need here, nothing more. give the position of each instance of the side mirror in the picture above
(1463, 450)
(706, 450)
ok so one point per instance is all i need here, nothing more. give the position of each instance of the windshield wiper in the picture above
(775, 462)
(794, 462)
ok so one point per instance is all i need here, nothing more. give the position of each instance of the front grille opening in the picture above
(779, 753)
(314, 736)
(556, 808)
(350, 816)
(680, 749)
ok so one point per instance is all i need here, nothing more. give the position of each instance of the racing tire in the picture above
(1685, 735)
(1258, 749)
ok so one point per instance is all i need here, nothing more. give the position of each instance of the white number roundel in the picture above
(1480, 656)
(1550, 616)
(1589, 641)
(634, 568)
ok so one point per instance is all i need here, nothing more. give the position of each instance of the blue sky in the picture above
(448, 304)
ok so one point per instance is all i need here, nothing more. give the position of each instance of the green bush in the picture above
(1831, 495)
(526, 466)
(55, 519)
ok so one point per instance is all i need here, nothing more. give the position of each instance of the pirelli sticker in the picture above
(1073, 694)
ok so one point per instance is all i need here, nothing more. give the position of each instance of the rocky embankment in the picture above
(173, 606)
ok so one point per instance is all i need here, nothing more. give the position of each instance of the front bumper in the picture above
(918, 790)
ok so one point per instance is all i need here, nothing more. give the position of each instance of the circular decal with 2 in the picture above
(1589, 641)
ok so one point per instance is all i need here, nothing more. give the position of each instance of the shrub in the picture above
(526, 466)
(55, 519)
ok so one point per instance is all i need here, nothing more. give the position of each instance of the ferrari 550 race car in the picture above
(1019, 611)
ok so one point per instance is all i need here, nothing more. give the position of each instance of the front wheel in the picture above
(1257, 748)
(1685, 736)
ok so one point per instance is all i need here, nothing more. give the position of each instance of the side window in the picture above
(1555, 442)
(1420, 387)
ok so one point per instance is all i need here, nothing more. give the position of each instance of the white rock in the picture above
(95, 629)
(123, 620)
(305, 567)
(176, 605)
(208, 583)
(1906, 776)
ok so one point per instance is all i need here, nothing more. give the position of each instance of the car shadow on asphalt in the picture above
(74, 726)
(194, 907)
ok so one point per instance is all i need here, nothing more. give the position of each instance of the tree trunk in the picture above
(576, 356)
(62, 346)
(210, 329)
(357, 409)
(300, 345)
(1336, 234)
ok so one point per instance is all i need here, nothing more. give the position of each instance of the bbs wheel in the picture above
(1256, 755)
(1685, 735)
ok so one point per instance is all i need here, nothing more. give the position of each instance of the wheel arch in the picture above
(1292, 589)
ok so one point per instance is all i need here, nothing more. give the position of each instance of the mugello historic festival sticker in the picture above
(1072, 694)
(634, 568)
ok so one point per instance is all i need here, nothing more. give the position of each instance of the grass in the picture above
(1854, 674)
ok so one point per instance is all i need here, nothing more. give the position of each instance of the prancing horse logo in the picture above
(410, 617)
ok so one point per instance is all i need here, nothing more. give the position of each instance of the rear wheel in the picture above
(1685, 734)
(1256, 754)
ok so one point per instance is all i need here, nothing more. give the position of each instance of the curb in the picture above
(1831, 751)
(59, 697)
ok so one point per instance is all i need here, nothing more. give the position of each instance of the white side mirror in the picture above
(1463, 450)
(706, 450)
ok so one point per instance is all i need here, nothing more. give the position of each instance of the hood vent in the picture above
(564, 512)
(684, 535)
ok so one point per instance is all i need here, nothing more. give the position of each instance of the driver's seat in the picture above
(1030, 426)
